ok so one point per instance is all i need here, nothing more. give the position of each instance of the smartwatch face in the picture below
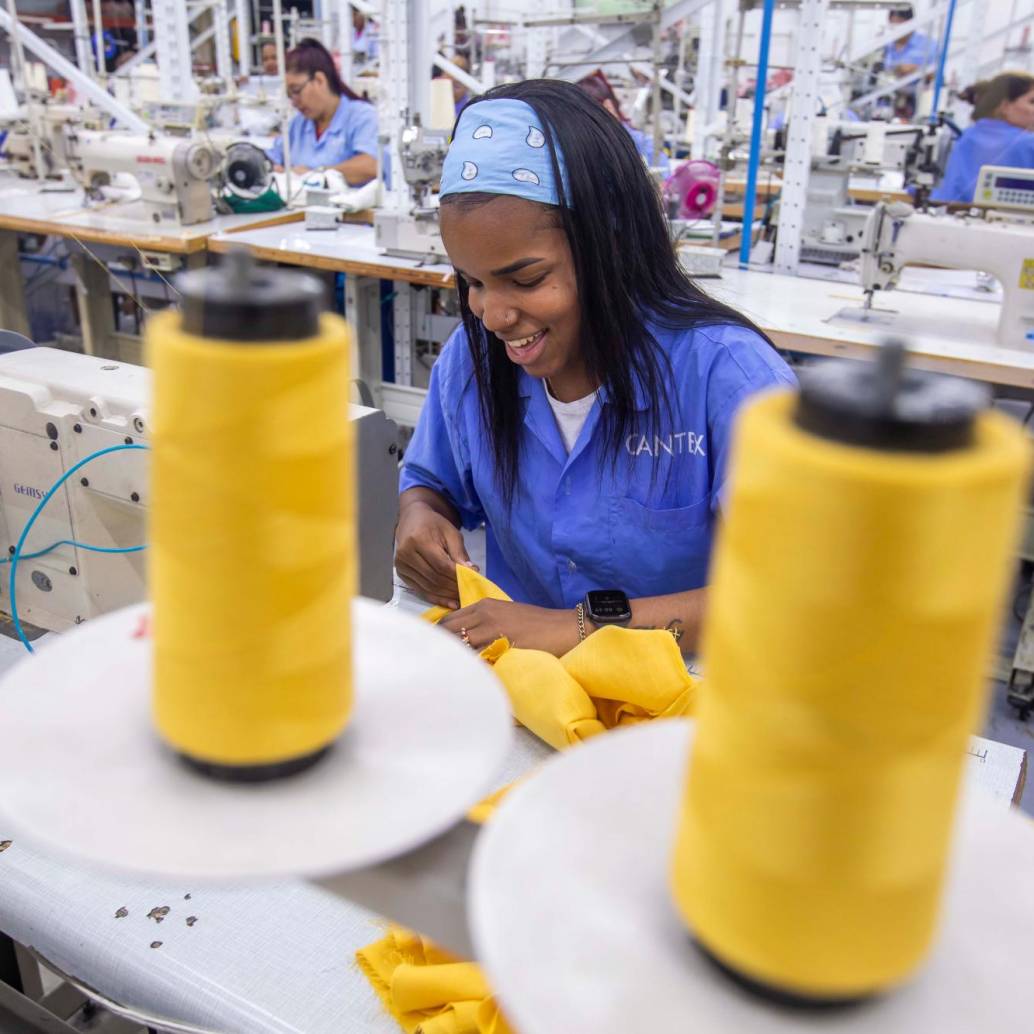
(608, 605)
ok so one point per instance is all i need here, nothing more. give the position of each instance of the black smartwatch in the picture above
(607, 607)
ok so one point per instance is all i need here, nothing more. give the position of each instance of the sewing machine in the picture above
(56, 408)
(19, 146)
(833, 224)
(412, 231)
(173, 173)
(993, 241)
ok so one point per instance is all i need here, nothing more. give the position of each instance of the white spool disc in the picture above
(83, 771)
(572, 917)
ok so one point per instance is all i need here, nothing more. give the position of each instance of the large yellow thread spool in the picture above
(252, 558)
(851, 616)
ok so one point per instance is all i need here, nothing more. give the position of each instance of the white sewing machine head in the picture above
(56, 408)
(172, 172)
(19, 149)
(993, 241)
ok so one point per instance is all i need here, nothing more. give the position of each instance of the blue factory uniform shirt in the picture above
(579, 522)
(1019, 154)
(920, 50)
(986, 142)
(352, 131)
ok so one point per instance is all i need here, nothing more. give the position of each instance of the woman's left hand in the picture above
(527, 627)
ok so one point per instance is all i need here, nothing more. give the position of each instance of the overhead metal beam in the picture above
(457, 73)
(67, 70)
(624, 43)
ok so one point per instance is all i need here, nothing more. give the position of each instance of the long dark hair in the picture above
(309, 57)
(625, 267)
(988, 95)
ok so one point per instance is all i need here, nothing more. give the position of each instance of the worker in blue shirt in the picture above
(598, 86)
(1003, 117)
(334, 129)
(583, 408)
(365, 45)
(460, 93)
(912, 52)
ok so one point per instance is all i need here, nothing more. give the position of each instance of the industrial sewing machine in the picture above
(58, 407)
(412, 231)
(20, 145)
(172, 172)
(999, 239)
(180, 178)
(833, 224)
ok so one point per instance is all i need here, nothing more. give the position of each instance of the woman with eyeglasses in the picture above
(334, 128)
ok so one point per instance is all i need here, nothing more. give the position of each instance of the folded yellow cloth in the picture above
(616, 676)
(428, 990)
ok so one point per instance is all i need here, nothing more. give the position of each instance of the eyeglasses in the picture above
(294, 92)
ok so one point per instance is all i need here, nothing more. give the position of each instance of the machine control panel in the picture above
(1001, 187)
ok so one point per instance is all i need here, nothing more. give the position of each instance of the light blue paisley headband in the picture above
(499, 148)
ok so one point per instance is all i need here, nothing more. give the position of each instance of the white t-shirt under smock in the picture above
(570, 416)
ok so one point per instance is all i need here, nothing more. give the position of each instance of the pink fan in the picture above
(695, 186)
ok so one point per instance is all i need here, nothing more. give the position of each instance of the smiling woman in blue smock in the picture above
(583, 409)
(334, 129)
(1003, 117)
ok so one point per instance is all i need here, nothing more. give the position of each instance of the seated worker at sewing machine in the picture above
(598, 87)
(1003, 117)
(914, 52)
(334, 128)
(582, 410)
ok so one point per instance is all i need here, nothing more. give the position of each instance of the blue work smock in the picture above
(352, 131)
(578, 521)
(986, 142)
(920, 50)
(1019, 154)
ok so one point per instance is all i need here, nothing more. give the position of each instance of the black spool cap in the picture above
(885, 405)
(239, 301)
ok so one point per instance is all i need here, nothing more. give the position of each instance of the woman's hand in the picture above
(531, 628)
(428, 548)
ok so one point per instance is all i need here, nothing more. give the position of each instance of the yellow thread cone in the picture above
(252, 559)
(853, 605)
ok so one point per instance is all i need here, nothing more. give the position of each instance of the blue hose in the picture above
(750, 197)
(938, 83)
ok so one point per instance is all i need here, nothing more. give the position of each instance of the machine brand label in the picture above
(149, 159)
(32, 493)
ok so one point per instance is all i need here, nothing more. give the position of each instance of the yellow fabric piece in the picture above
(616, 676)
(545, 699)
(639, 673)
(854, 602)
(484, 809)
(426, 989)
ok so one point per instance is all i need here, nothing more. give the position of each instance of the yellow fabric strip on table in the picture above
(426, 989)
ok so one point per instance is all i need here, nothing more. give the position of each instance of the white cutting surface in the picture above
(946, 333)
(350, 242)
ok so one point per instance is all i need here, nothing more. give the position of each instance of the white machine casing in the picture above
(56, 408)
(413, 232)
(1002, 245)
(1002, 187)
(54, 121)
(172, 172)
